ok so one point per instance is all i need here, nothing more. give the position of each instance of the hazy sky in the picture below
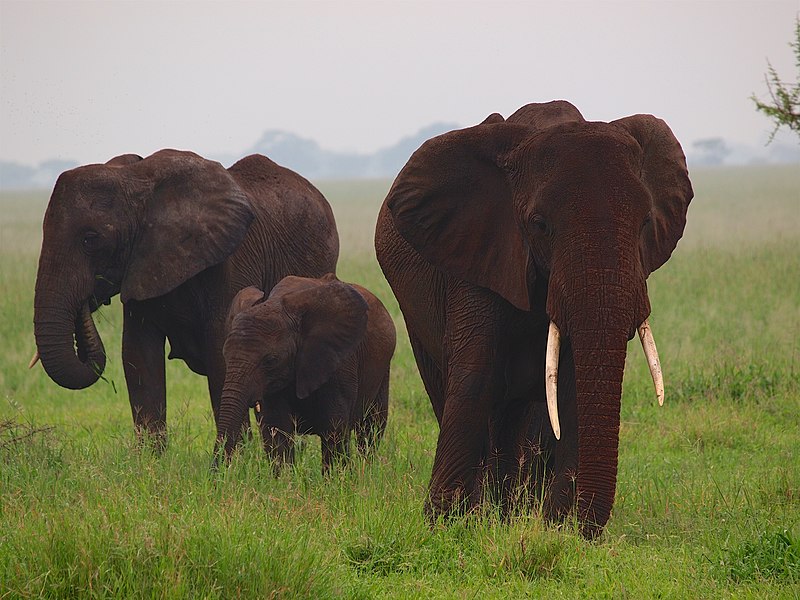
(89, 80)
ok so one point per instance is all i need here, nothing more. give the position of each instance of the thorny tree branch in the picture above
(784, 107)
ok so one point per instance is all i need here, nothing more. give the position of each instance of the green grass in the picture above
(708, 499)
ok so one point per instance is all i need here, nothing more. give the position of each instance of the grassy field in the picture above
(708, 500)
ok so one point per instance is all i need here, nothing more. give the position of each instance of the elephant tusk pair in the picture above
(34, 359)
(551, 369)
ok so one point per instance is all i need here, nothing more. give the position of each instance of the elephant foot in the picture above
(559, 498)
(562, 504)
(446, 504)
(335, 450)
(154, 440)
(591, 531)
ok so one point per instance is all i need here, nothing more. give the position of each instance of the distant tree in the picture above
(710, 151)
(14, 176)
(784, 104)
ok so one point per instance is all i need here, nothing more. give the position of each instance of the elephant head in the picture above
(138, 227)
(289, 344)
(546, 204)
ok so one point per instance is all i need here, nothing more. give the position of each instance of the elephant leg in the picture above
(277, 431)
(335, 447)
(216, 378)
(143, 361)
(514, 454)
(508, 466)
(369, 430)
(431, 376)
(278, 444)
(472, 384)
(539, 451)
(339, 397)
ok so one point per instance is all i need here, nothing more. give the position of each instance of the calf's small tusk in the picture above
(34, 359)
(551, 377)
(651, 353)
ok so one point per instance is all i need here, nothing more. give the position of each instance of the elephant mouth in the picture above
(551, 369)
(104, 290)
(95, 302)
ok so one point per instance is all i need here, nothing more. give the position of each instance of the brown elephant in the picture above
(493, 236)
(312, 358)
(177, 236)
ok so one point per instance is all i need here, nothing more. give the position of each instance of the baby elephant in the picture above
(312, 358)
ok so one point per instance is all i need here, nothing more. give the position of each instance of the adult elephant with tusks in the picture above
(519, 251)
(177, 236)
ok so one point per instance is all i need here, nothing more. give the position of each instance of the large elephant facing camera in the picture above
(519, 251)
(177, 236)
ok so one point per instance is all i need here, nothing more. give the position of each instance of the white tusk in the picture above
(551, 377)
(650, 352)
(34, 359)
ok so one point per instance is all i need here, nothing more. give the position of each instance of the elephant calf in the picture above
(311, 358)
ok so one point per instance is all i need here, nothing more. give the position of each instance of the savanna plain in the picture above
(708, 497)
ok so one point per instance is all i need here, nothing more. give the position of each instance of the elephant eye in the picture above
(91, 240)
(539, 224)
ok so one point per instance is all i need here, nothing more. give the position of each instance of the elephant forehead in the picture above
(572, 148)
(86, 188)
(563, 167)
(259, 323)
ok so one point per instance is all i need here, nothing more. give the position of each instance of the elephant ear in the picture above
(452, 202)
(246, 298)
(542, 115)
(664, 174)
(333, 320)
(194, 215)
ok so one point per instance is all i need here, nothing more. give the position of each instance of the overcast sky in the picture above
(89, 80)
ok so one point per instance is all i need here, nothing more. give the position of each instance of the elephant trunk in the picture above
(233, 409)
(67, 340)
(598, 319)
(598, 389)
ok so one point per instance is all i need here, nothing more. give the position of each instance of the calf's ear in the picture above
(333, 320)
(246, 298)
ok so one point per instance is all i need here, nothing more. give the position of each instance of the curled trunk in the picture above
(69, 346)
